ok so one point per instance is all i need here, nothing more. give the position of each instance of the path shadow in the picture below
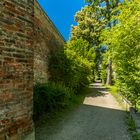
(87, 123)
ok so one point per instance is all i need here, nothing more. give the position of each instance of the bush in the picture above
(49, 97)
(103, 67)
(103, 75)
(59, 66)
(124, 49)
(81, 70)
(71, 67)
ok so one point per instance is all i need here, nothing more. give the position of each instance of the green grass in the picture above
(54, 117)
(132, 128)
(114, 91)
(136, 136)
(129, 121)
(79, 97)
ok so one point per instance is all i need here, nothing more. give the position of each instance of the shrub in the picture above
(49, 97)
(124, 49)
(81, 70)
(59, 66)
(71, 67)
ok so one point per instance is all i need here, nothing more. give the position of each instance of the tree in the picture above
(89, 28)
(125, 48)
(83, 49)
(104, 9)
(72, 65)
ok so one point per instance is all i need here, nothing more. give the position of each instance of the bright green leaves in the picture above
(83, 49)
(124, 42)
(89, 26)
(74, 65)
(81, 56)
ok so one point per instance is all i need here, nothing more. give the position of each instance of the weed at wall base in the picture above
(49, 97)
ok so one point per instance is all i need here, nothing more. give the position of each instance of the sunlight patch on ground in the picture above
(102, 100)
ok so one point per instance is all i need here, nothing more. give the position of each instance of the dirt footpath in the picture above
(99, 118)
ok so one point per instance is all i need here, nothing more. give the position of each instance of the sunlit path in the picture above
(99, 118)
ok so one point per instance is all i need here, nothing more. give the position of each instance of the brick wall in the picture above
(47, 38)
(27, 36)
(16, 68)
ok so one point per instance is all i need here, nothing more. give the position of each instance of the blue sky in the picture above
(62, 12)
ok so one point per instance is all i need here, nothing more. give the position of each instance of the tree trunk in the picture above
(109, 75)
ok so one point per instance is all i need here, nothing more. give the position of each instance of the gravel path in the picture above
(99, 118)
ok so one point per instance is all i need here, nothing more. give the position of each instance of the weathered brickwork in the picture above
(16, 68)
(27, 36)
(47, 38)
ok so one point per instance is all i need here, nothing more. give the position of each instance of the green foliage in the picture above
(49, 97)
(83, 49)
(89, 26)
(105, 8)
(82, 57)
(103, 69)
(59, 67)
(74, 65)
(136, 136)
(81, 70)
(124, 42)
(114, 91)
(132, 128)
(130, 123)
(103, 75)
(104, 11)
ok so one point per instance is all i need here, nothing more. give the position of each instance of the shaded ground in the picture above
(99, 118)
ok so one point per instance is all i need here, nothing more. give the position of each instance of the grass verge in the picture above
(114, 91)
(129, 121)
(51, 118)
(132, 128)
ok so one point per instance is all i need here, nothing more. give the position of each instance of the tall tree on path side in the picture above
(104, 8)
(89, 27)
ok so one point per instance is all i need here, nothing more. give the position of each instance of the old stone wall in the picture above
(47, 39)
(26, 38)
(16, 68)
